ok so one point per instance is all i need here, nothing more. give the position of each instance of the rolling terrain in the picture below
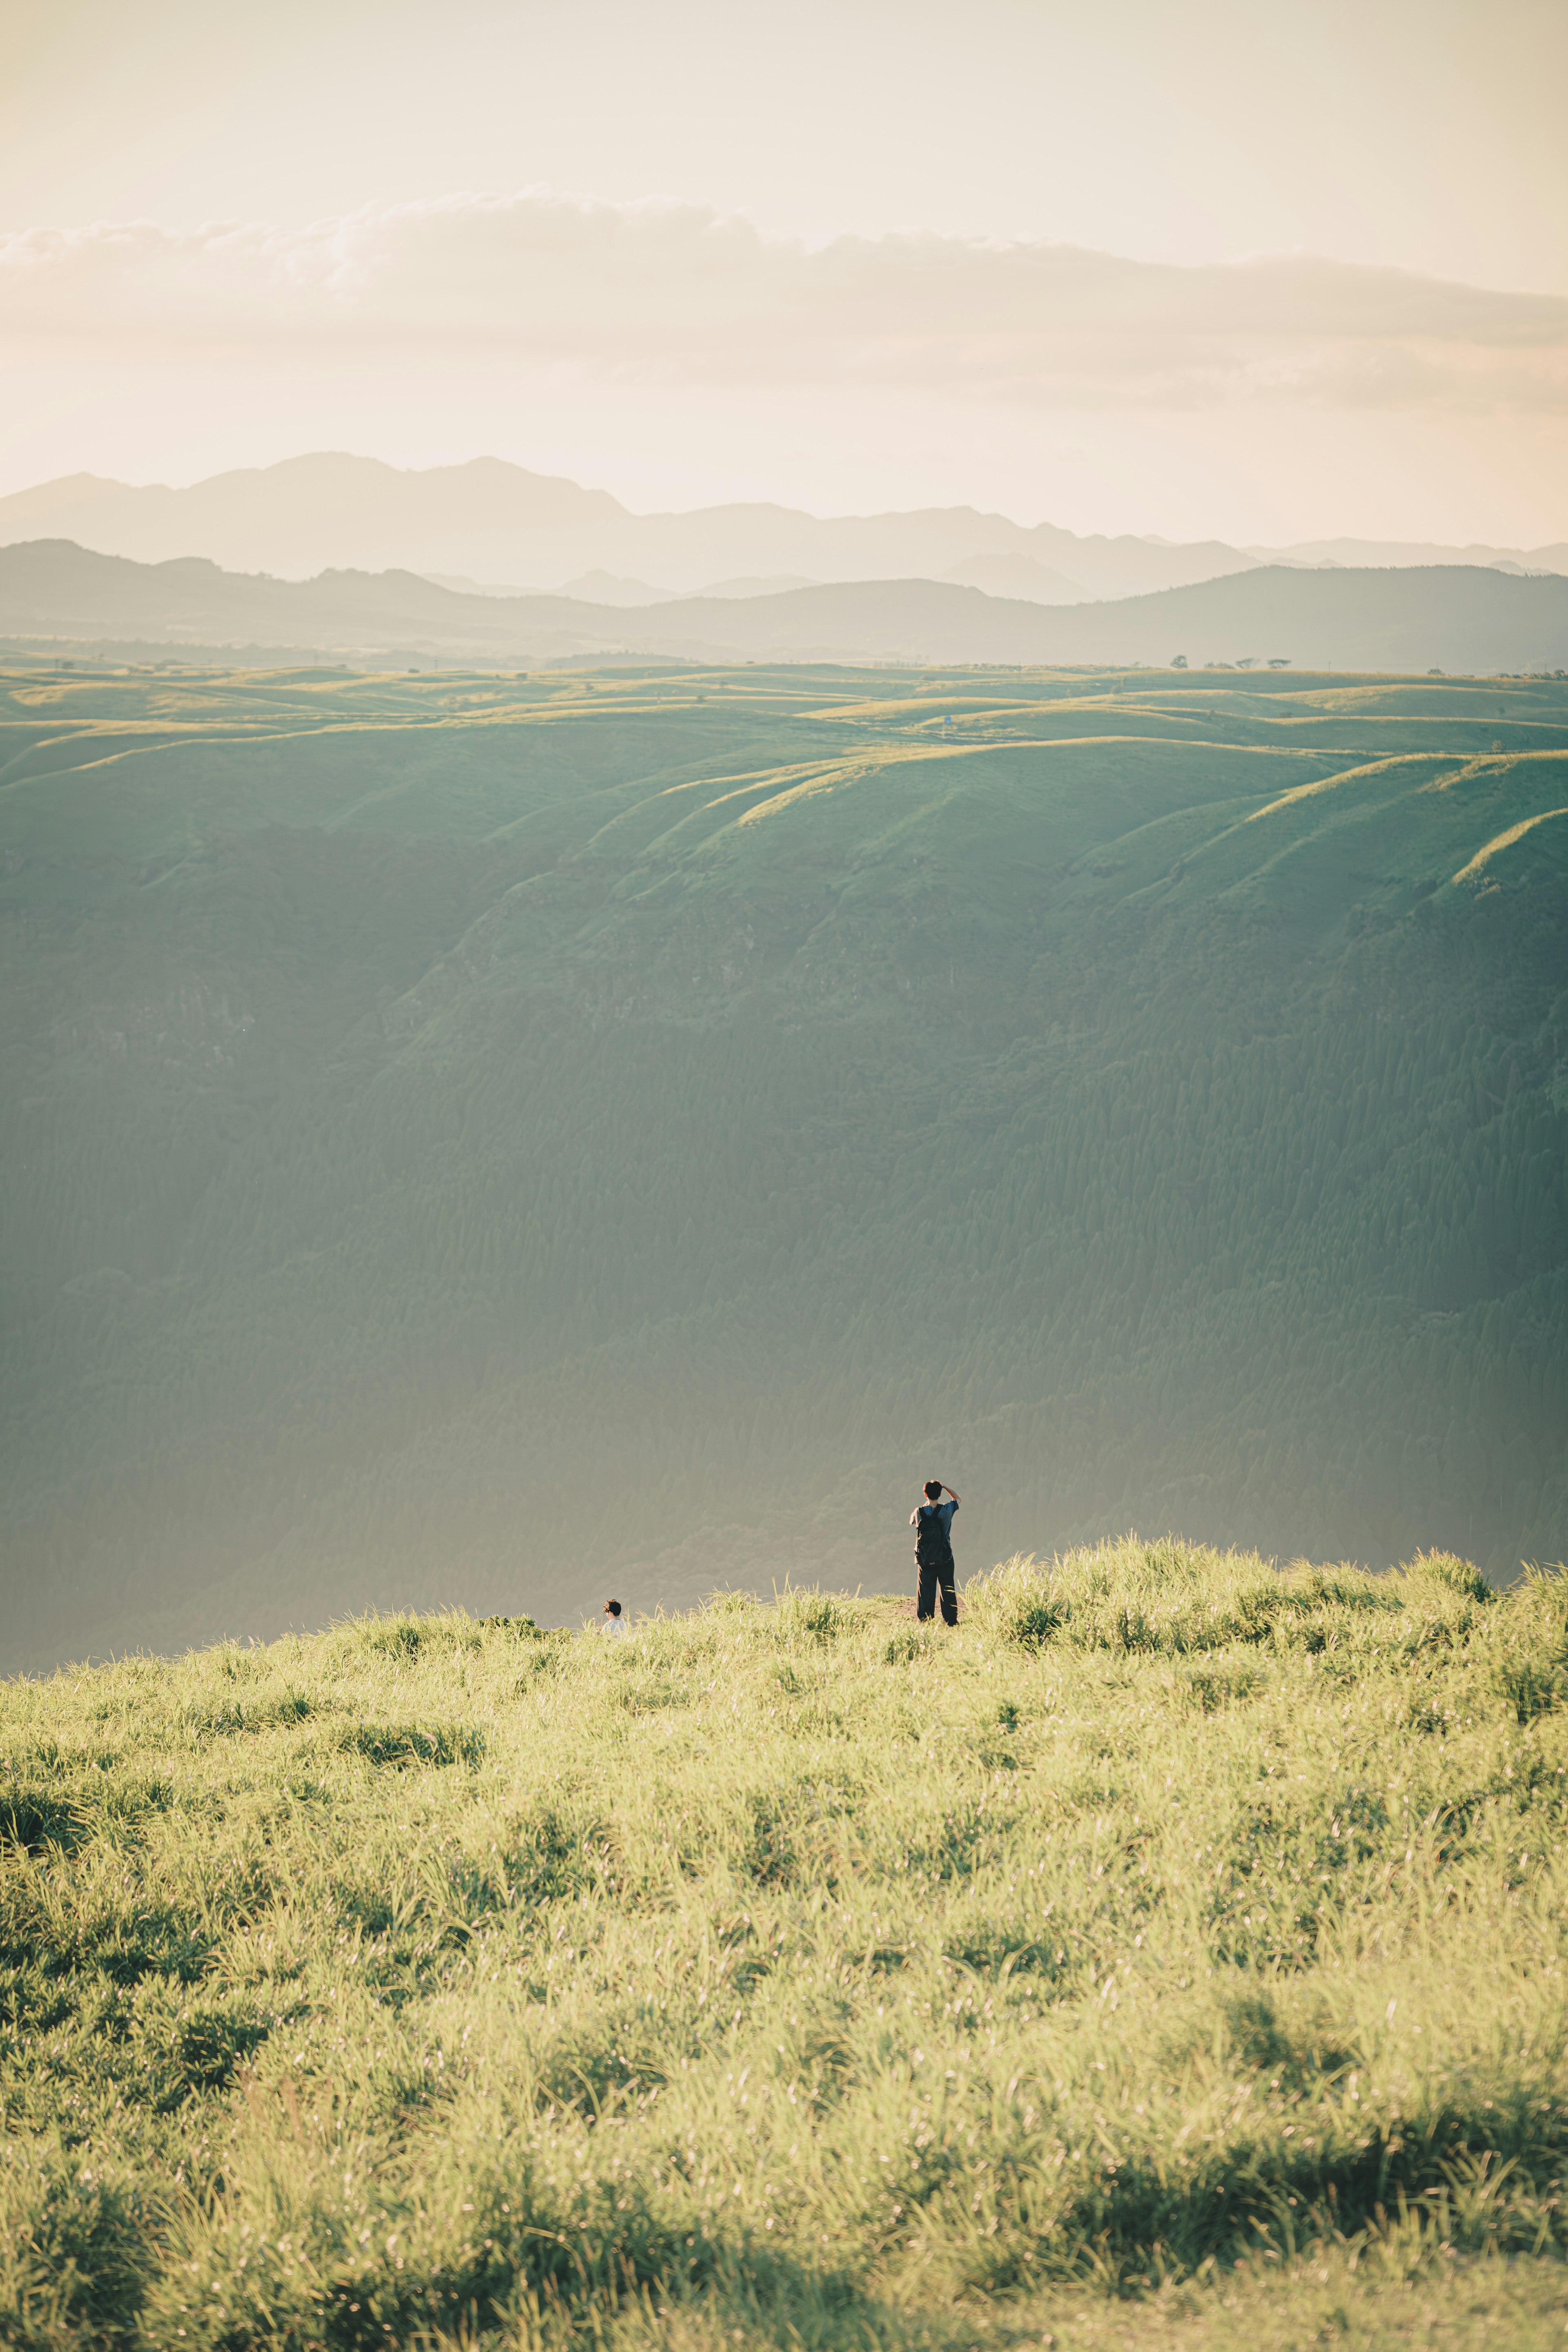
(495, 1140)
(1168, 1959)
(1466, 619)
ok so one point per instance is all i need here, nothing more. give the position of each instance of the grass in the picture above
(389, 1064)
(1174, 1954)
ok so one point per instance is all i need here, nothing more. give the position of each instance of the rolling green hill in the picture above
(491, 1139)
(1168, 1959)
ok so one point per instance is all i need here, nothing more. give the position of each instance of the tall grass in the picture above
(433, 1975)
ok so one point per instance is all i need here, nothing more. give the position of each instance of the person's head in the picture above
(933, 1488)
(612, 1608)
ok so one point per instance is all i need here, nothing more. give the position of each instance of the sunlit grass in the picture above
(799, 1968)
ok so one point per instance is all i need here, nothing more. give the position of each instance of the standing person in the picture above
(932, 1523)
(614, 1624)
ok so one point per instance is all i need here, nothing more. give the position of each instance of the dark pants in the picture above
(930, 1578)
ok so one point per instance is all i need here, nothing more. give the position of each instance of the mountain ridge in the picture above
(1466, 618)
(1362, 555)
(487, 519)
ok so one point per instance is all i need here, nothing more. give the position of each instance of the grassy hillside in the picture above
(467, 1139)
(802, 1976)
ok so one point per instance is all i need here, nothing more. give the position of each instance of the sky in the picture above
(1245, 271)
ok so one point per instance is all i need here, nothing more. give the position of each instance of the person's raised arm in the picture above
(947, 1490)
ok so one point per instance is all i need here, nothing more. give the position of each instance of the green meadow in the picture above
(469, 1139)
(1172, 1955)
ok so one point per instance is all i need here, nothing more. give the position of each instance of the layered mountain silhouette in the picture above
(488, 524)
(1451, 617)
(489, 521)
(1361, 553)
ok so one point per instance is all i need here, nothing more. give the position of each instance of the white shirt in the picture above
(615, 1626)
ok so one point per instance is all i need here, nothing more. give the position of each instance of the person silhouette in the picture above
(932, 1523)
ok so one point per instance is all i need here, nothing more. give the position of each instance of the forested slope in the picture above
(491, 1141)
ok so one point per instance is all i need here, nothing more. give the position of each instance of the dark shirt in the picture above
(944, 1511)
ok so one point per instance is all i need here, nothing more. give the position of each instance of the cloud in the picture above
(657, 290)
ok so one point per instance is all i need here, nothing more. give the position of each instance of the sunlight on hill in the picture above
(459, 1129)
(1483, 858)
(801, 1974)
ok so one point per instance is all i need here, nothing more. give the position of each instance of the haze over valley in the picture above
(582, 599)
(754, 763)
(472, 1138)
(56, 596)
(490, 526)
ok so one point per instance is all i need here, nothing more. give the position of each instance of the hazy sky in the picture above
(1251, 271)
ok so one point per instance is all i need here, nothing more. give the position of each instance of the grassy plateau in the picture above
(1172, 1953)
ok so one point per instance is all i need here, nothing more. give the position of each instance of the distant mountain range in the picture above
(490, 524)
(1332, 554)
(1462, 618)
